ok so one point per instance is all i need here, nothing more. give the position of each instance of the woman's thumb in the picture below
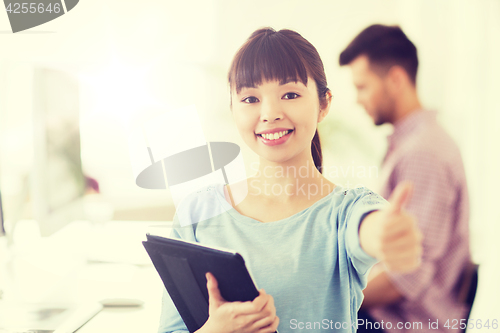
(400, 197)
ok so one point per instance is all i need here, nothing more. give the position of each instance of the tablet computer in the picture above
(182, 266)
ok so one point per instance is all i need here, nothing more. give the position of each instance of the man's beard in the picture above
(385, 115)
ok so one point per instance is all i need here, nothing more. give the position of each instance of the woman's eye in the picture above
(250, 100)
(290, 96)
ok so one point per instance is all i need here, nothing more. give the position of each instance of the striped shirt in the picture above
(422, 152)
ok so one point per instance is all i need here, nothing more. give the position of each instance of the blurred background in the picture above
(71, 89)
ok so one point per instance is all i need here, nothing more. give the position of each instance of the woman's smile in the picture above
(275, 138)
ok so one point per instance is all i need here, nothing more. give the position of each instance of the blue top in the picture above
(311, 262)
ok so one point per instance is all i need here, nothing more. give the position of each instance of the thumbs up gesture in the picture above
(391, 235)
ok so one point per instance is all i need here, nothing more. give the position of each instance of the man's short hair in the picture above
(385, 46)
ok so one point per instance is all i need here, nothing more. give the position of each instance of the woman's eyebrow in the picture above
(302, 85)
(240, 89)
(282, 83)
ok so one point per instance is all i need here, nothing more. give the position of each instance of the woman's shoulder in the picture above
(344, 195)
(360, 192)
(343, 201)
(359, 200)
(360, 195)
(200, 204)
(201, 194)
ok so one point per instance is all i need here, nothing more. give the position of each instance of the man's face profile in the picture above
(372, 92)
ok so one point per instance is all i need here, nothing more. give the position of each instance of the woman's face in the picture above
(278, 121)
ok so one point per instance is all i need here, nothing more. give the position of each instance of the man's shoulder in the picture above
(431, 143)
(430, 151)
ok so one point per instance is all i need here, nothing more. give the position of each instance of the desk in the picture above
(123, 320)
(76, 265)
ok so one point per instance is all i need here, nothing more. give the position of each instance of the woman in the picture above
(300, 234)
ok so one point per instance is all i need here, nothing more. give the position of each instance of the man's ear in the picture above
(323, 111)
(396, 79)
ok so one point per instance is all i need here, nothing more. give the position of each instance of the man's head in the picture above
(384, 65)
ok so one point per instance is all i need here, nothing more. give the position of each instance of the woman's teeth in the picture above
(274, 136)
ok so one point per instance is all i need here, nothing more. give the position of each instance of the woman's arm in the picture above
(391, 235)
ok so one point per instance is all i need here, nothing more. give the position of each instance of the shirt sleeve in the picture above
(432, 203)
(361, 202)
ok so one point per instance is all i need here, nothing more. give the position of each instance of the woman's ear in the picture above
(323, 111)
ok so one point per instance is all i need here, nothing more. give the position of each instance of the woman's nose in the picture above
(271, 111)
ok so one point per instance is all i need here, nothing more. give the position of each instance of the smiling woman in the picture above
(298, 63)
(295, 228)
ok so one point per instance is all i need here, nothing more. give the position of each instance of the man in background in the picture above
(384, 66)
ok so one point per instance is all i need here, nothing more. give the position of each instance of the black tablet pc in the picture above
(182, 267)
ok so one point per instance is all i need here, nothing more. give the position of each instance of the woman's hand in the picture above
(391, 235)
(258, 315)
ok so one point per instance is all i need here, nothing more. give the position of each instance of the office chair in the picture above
(468, 286)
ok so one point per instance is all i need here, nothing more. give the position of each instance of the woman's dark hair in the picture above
(285, 56)
(385, 46)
